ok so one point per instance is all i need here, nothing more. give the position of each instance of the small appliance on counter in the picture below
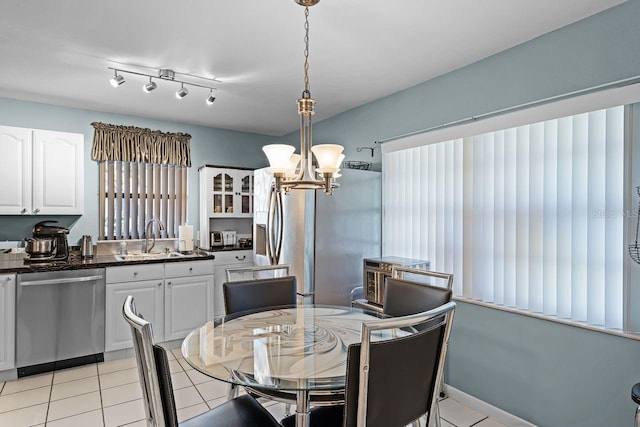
(86, 247)
(229, 237)
(216, 239)
(245, 243)
(49, 243)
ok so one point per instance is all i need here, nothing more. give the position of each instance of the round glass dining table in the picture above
(297, 351)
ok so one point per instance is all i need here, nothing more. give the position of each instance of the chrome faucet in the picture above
(147, 248)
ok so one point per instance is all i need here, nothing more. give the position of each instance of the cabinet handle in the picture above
(135, 273)
(190, 268)
(8, 279)
(169, 283)
(36, 210)
(241, 259)
(159, 283)
(23, 211)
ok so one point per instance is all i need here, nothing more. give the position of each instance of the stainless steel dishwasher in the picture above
(59, 319)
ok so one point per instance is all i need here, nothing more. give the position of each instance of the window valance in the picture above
(140, 145)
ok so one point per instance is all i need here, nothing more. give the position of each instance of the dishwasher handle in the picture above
(61, 281)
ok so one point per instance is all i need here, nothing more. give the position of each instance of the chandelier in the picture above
(296, 171)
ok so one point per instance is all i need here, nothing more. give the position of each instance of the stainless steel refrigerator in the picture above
(324, 238)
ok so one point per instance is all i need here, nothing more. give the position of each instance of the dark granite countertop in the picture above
(75, 262)
(230, 248)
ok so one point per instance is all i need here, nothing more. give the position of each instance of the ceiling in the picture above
(58, 51)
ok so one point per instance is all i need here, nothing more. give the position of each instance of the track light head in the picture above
(182, 92)
(116, 80)
(210, 98)
(149, 86)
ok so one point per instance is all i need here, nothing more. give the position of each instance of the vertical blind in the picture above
(134, 193)
(529, 217)
(143, 176)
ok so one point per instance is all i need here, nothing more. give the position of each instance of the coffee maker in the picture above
(49, 243)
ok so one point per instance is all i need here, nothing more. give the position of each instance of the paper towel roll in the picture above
(185, 237)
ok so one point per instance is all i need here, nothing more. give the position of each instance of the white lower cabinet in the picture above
(188, 297)
(7, 321)
(224, 260)
(175, 297)
(148, 296)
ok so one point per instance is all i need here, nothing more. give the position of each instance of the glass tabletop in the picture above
(288, 348)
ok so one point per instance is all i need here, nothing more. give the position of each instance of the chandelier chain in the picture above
(307, 92)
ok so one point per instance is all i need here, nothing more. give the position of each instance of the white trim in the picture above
(485, 408)
(623, 334)
(577, 105)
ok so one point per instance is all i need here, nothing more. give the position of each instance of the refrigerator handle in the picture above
(280, 225)
(274, 226)
(269, 226)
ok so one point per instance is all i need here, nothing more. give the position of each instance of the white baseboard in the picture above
(485, 408)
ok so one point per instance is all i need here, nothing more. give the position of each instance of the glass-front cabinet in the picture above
(231, 192)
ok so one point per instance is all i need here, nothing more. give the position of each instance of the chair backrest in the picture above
(402, 297)
(153, 370)
(391, 383)
(259, 272)
(258, 294)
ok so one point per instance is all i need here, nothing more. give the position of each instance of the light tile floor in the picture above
(108, 395)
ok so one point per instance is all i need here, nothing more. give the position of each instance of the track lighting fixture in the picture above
(210, 98)
(149, 86)
(117, 79)
(166, 74)
(182, 92)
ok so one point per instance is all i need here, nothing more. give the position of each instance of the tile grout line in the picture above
(104, 421)
(475, 424)
(46, 415)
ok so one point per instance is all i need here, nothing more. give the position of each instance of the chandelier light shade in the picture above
(296, 171)
(327, 156)
(280, 156)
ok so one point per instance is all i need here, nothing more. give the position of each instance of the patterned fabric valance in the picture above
(133, 144)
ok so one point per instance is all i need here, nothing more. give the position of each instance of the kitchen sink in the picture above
(148, 256)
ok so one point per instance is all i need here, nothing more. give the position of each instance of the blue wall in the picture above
(550, 374)
(208, 146)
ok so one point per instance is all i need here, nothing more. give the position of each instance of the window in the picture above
(529, 217)
(143, 176)
(135, 193)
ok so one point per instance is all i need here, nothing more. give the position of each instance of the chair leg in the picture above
(233, 392)
(636, 421)
(433, 417)
(287, 410)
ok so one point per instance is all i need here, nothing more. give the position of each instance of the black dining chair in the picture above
(157, 390)
(391, 382)
(246, 295)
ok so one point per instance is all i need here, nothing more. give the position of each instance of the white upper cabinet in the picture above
(47, 168)
(15, 171)
(58, 178)
(229, 192)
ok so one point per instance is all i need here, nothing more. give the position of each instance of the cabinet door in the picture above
(58, 173)
(148, 296)
(244, 193)
(15, 171)
(223, 200)
(7, 321)
(188, 304)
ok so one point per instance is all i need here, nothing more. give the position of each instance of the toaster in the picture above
(217, 239)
